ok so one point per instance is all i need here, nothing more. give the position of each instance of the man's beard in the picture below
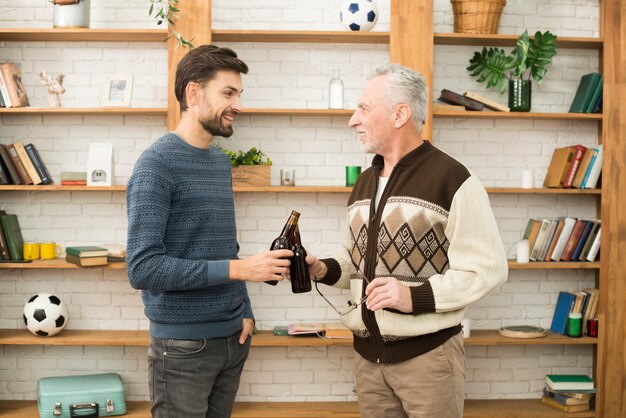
(215, 127)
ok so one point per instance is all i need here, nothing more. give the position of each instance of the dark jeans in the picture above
(195, 378)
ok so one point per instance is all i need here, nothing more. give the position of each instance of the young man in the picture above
(422, 245)
(182, 247)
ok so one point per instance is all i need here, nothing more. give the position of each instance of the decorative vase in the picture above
(71, 13)
(520, 95)
(359, 15)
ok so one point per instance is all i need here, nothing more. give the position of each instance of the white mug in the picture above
(287, 177)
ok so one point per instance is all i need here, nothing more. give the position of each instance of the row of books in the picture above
(12, 91)
(11, 241)
(576, 167)
(568, 392)
(91, 255)
(22, 164)
(584, 302)
(563, 239)
(588, 98)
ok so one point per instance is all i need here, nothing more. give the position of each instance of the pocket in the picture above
(151, 377)
(183, 348)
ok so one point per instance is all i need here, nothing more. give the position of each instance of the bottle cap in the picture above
(575, 315)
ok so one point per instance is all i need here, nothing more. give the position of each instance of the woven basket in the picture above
(477, 16)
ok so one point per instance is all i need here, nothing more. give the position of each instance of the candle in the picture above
(527, 179)
(523, 251)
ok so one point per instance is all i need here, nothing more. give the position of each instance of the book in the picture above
(565, 408)
(13, 236)
(451, 97)
(86, 261)
(584, 92)
(547, 242)
(582, 240)
(563, 399)
(13, 80)
(582, 168)
(555, 239)
(594, 171)
(74, 175)
(589, 241)
(569, 382)
(572, 241)
(442, 107)
(579, 394)
(590, 309)
(4, 92)
(17, 163)
(5, 178)
(568, 226)
(337, 331)
(562, 309)
(534, 231)
(541, 236)
(86, 251)
(27, 162)
(4, 155)
(114, 249)
(73, 182)
(595, 96)
(305, 329)
(571, 173)
(594, 155)
(559, 166)
(487, 102)
(328, 330)
(4, 249)
(41, 168)
(595, 247)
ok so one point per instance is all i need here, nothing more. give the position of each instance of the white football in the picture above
(359, 15)
(45, 315)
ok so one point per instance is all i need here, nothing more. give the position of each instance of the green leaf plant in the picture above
(167, 11)
(252, 157)
(530, 58)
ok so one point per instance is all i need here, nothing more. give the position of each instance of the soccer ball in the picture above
(45, 315)
(359, 15)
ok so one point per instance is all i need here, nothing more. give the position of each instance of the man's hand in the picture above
(247, 327)
(387, 292)
(317, 269)
(263, 267)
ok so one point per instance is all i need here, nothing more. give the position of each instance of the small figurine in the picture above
(55, 87)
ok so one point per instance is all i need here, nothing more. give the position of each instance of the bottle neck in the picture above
(291, 225)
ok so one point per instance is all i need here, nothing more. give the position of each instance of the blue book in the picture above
(591, 162)
(562, 309)
(582, 240)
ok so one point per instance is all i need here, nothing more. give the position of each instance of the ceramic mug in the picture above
(50, 250)
(31, 250)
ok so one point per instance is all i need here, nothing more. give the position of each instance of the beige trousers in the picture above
(427, 386)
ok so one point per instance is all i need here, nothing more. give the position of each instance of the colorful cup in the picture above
(50, 250)
(31, 250)
(352, 173)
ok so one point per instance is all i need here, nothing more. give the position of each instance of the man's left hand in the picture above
(387, 292)
(247, 327)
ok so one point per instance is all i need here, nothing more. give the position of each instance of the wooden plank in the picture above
(144, 111)
(549, 265)
(294, 189)
(58, 263)
(612, 308)
(486, 114)
(411, 44)
(541, 190)
(194, 23)
(59, 188)
(80, 35)
(298, 112)
(474, 408)
(337, 37)
(469, 39)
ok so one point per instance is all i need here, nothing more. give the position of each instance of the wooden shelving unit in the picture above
(468, 39)
(320, 37)
(64, 111)
(56, 188)
(486, 114)
(82, 35)
(261, 339)
(494, 408)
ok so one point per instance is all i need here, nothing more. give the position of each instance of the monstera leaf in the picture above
(490, 65)
(540, 52)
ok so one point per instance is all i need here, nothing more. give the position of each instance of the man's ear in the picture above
(401, 115)
(192, 93)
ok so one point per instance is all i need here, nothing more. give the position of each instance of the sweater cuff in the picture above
(333, 272)
(423, 299)
(218, 272)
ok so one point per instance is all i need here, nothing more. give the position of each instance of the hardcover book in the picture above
(565, 408)
(28, 164)
(487, 102)
(569, 382)
(17, 163)
(585, 90)
(41, 168)
(451, 97)
(87, 251)
(13, 80)
(562, 309)
(86, 261)
(13, 176)
(559, 166)
(13, 236)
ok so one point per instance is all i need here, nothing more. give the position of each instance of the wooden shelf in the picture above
(487, 114)
(58, 263)
(298, 112)
(549, 265)
(335, 37)
(79, 35)
(474, 408)
(294, 189)
(466, 39)
(55, 188)
(143, 111)
(541, 190)
(261, 339)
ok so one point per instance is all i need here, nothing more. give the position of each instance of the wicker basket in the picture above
(477, 16)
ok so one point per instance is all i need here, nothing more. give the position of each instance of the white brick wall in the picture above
(282, 75)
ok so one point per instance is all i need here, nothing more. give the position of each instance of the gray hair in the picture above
(407, 86)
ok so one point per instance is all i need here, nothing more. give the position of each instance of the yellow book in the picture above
(487, 102)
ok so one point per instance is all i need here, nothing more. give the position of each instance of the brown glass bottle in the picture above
(299, 270)
(284, 240)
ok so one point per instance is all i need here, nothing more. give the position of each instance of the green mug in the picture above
(352, 173)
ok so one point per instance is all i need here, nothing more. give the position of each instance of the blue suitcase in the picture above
(96, 395)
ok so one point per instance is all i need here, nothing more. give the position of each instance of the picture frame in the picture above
(117, 90)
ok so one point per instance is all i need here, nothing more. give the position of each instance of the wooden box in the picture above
(251, 175)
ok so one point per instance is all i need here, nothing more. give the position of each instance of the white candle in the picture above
(466, 328)
(527, 179)
(523, 252)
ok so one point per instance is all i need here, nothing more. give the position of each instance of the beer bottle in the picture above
(284, 240)
(299, 270)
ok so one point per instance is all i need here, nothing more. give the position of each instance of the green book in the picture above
(585, 90)
(13, 236)
(86, 251)
(569, 382)
(597, 94)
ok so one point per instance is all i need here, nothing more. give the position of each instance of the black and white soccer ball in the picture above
(45, 315)
(359, 15)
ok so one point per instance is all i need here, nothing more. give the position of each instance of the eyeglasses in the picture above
(351, 305)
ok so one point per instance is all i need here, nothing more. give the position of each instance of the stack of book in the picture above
(588, 98)
(568, 393)
(116, 253)
(584, 302)
(11, 241)
(326, 330)
(86, 256)
(576, 167)
(563, 239)
(469, 101)
(12, 91)
(73, 178)
(22, 164)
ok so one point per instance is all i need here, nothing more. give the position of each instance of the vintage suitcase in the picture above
(96, 395)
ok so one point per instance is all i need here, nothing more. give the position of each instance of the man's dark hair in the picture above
(200, 65)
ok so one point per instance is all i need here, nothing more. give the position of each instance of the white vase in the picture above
(359, 15)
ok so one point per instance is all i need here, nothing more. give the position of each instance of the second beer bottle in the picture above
(284, 240)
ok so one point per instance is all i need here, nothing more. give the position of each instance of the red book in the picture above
(578, 156)
(573, 240)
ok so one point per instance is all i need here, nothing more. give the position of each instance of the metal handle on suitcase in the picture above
(84, 406)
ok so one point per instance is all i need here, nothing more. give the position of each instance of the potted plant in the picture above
(251, 168)
(167, 10)
(529, 59)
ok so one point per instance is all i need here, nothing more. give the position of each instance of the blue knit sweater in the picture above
(181, 236)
